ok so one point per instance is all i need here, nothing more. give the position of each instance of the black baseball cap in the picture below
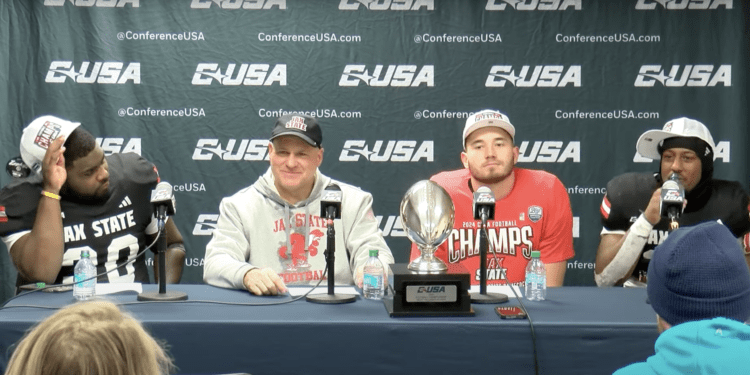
(303, 126)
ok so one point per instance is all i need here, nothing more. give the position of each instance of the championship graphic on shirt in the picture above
(536, 215)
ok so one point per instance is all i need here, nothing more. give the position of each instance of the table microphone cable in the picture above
(523, 307)
(43, 286)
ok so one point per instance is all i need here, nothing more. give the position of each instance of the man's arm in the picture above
(228, 251)
(364, 236)
(174, 256)
(556, 273)
(556, 244)
(617, 254)
(38, 254)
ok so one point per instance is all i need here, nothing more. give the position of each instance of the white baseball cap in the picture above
(485, 118)
(37, 137)
(649, 142)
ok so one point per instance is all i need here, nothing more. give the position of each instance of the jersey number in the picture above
(120, 250)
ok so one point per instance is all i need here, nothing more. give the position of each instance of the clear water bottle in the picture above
(536, 279)
(373, 286)
(84, 269)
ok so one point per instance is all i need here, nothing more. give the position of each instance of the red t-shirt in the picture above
(535, 215)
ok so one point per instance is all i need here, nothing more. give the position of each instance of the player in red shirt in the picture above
(532, 209)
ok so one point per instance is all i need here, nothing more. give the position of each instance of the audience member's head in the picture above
(698, 273)
(89, 338)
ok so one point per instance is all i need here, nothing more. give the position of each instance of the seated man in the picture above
(270, 234)
(631, 219)
(699, 287)
(532, 208)
(76, 199)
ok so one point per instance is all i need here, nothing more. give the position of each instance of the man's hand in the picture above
(263, 282)
(53, 166)
(360, 275)
(652, 213)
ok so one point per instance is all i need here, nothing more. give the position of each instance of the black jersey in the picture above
(628, 196)
(113, 231)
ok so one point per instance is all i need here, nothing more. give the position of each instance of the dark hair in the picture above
(79, 143)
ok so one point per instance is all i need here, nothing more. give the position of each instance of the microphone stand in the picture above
(331, 297)
(163, 294)
(483, 296)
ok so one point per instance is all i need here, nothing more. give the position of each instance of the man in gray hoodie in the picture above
(270, 234)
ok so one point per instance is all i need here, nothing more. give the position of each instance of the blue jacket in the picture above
(715, 346)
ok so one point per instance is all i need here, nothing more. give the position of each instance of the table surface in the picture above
(578, 330)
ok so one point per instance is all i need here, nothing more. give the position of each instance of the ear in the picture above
(515, 155)
(464, 159)
(320, 156)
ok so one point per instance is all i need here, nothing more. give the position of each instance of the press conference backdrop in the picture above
(195, 86)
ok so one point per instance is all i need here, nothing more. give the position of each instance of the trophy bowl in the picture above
(427, 214)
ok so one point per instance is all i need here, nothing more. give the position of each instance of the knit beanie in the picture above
(699, 272)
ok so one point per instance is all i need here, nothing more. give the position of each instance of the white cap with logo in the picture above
(37, 137)
(485, 118)
(649, 142)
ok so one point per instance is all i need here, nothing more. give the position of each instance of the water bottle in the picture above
(373, 286)
(84, 269)
(536, 279)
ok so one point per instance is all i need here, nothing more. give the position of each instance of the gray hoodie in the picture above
(258, 229)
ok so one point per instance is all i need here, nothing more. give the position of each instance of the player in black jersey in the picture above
(631, 220)
(77, 198)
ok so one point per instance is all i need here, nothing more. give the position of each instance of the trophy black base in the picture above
(428, 294)
(167, 296)
(488, 298)
(331, 298)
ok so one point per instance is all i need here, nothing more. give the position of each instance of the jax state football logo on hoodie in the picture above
(295, 258)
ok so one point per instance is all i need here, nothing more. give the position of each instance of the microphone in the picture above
(672, 201)
(330, 208)
(163, 201)
(330, 203)
(484, 204)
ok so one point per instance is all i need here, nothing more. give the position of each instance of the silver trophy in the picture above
(427, 214)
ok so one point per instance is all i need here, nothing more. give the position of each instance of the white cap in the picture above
(485, 118)
(649, 142)
(37, 137)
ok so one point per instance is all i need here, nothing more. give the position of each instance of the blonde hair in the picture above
(89, 338)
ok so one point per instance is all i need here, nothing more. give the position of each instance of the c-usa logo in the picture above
(392, 75)
(237, 4)
(248, 149)
(683, 4)
(691, 76)
(537, 76)
(396, 151)
(118, 145)
(246, 74)
(533, 4)
(91, 3)
(387, 4)
(107, 72)
(206, 224)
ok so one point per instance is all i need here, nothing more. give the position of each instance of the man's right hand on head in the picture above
(263, 282)
(53, 166)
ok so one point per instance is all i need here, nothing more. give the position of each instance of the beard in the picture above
(491, 177)
(73, 195)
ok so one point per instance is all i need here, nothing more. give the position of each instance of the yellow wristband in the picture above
(50, 195)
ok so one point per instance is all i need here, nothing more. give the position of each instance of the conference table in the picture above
(579, 330)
